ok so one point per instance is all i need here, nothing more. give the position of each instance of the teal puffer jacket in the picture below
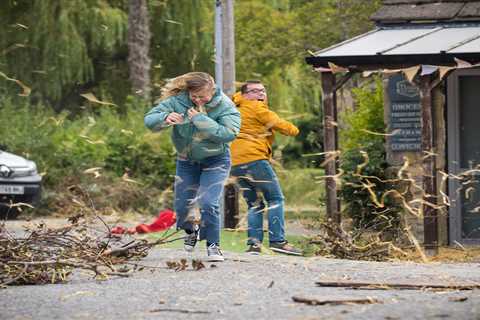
(204, 136)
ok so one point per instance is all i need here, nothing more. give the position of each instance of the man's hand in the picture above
(174, 118)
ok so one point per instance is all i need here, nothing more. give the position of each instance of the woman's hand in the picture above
(192, 112)
(174, 118)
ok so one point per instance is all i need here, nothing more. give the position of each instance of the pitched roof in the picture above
(411, 32)
(405, 45)
(401, 11)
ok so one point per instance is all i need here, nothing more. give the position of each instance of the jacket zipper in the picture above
(190, 135)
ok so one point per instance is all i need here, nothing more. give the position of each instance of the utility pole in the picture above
(225, 46)
(218, 44)
(225, 79)
(228, 35)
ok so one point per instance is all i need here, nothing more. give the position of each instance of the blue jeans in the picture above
(200, 183)
(258, 177)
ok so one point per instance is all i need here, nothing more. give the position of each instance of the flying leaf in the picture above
(90, 140)
(127, 132)
(337, 69)
(95, 171)
(26, 90)
(173, 21)
(21, 25)
(90, 97)
(126, 178)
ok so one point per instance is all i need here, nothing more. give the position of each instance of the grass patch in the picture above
(306, 214)
(303, 188)
(230, 240)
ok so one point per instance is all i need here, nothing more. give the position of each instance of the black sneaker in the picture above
(285, 247)
(191, 239)
(254, 249)
(214, 253)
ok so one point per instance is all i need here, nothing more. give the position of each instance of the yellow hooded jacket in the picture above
(254, 142)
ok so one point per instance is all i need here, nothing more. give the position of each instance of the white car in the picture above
(20, 184)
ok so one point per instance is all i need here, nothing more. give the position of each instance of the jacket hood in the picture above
(184, 99)
(240, 100)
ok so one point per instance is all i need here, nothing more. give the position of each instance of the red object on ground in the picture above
(166, 218)
(118, 230)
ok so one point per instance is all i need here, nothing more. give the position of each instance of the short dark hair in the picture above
(244, 87)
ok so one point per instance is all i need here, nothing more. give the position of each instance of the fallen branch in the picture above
(178, 310)
(317, 302)
(334, 241)
(398, 286)
(49, 255)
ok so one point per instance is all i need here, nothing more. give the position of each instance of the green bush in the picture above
(302, 151)
(64, 148)
(363, 161)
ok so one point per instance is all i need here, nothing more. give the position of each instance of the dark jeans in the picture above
(255, 179)
(200, 183)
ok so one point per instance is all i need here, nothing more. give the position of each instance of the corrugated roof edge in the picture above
(347, 41)
(392, 61)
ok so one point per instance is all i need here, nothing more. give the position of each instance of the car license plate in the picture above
(11, 189)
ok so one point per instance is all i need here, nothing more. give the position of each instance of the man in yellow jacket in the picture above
(251, 155)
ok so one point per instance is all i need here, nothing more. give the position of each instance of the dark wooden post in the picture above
(330, 144)
(230, 207)
(429, 176)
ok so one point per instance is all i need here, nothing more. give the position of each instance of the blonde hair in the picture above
(192, 81)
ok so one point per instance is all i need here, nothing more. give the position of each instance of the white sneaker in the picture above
(214, 253)
(190, 240)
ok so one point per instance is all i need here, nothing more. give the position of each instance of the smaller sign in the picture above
(405, 115)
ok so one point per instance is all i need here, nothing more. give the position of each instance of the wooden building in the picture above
(428, 52)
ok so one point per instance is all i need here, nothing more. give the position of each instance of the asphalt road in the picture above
(250, 287)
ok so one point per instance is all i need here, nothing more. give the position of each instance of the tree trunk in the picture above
(139, 46)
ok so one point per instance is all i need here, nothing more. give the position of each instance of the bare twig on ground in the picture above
(334, 241)
(318, 302)
(49, 255)
(178, 310)
(397, 286)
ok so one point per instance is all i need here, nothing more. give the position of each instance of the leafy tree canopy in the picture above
(53, 46)
(62, 48)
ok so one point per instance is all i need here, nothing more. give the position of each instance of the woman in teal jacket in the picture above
(204, 121)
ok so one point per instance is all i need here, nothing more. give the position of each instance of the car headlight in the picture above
(33, 168)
